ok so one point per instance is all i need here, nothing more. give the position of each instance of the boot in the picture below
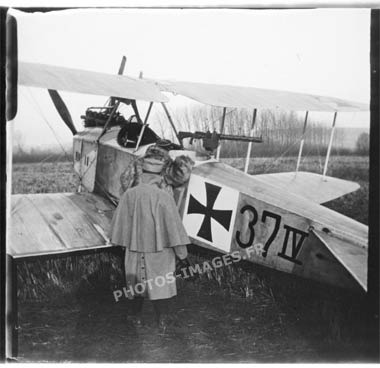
(135, 316)
(162, 317)
(163, 322)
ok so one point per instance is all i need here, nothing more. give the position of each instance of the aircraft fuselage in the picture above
(228, 211)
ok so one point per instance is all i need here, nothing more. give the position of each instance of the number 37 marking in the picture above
(290, 232)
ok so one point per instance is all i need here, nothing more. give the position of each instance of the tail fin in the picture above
(351, 255)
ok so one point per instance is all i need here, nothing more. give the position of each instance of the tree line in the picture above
(281, 132)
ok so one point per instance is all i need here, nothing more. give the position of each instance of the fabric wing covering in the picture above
(312, 186)
(249, 97)
(87, 82)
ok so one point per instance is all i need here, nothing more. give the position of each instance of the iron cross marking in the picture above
(221, 216)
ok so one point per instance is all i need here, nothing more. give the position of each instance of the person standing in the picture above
(147, 223)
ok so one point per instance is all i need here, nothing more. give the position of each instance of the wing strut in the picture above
(108, 120)
(329, 147)
(113, 102)
(302, 142)
(143, 127)
(120, 72)
(171, 123)
(221, 132)
(250, 143)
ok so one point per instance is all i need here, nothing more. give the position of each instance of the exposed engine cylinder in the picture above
(98, 116)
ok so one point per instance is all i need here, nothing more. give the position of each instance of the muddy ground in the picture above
(305, 324)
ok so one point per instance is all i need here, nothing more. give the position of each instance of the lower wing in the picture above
(53, 223)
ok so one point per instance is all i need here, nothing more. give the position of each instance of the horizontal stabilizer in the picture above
(311, 186)
(53, 223)
(87, 82)
(352, 256)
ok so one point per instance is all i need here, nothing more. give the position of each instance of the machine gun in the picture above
(211, 140)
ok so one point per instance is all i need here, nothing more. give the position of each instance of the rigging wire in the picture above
(310, 153)
(218, 119)
(273, 162)
(38, 109)
(318, 155)
(57, 159)
(80, 177)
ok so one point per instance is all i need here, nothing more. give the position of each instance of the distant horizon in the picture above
(54, 147)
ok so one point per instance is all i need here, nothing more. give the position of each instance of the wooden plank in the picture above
(58, 222)
(66, 221)
(96, 209)
(19, 233)
(30, 231)
(63, 252)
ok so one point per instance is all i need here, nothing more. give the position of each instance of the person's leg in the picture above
(136, 310)
(137, 305)
(161, 310)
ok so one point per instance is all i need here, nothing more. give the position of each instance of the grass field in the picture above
(238, 313)
(354, 168)
(47, 177)
(60, 177)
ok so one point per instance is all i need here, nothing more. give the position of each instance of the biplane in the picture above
(223, 209)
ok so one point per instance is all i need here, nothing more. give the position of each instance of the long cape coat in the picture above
(147, 223)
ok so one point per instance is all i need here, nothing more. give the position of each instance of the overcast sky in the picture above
(323, 52)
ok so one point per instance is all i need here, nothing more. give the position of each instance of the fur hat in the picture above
(155, 158)
(157, 153)
(178, 172)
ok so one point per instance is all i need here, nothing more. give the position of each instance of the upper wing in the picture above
(53, 223)
(248, 97)
(83, 81)
(310, 185)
